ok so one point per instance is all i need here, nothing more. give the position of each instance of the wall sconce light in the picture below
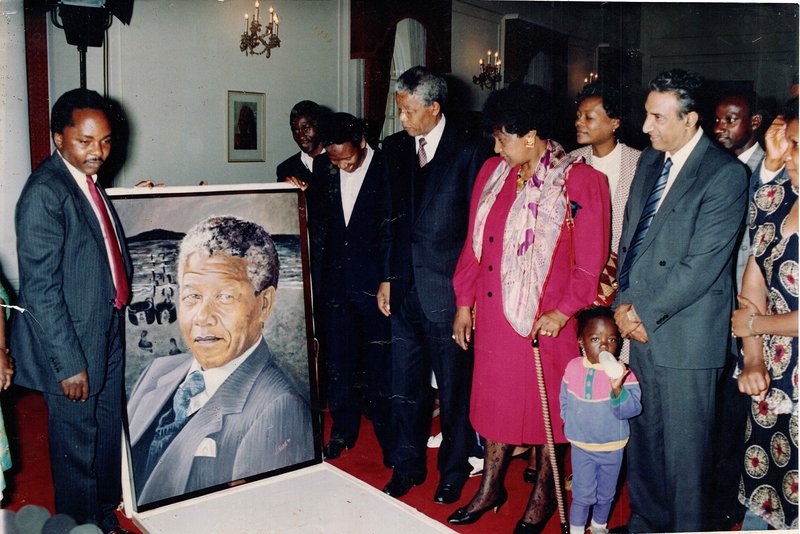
(591, 78)
(253, 41)
(490, 75)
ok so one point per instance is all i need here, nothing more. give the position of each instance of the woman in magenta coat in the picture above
(523, 272)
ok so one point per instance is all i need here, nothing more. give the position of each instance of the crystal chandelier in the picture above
(253, 40)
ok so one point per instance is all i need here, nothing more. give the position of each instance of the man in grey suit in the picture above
(686, 206)
(74, 271)
(735, 127)
(430, 170)
(225, 411)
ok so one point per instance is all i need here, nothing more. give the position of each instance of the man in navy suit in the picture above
(74, 271)
(304, 120)
(686, 205)
(225, 410)
(354, 335)
(430, 169)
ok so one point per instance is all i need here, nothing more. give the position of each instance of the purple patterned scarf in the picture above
(532, 229)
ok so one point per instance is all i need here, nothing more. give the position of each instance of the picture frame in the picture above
(157, 341)
(246, 127)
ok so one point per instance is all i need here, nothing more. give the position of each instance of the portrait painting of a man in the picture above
(221, 404)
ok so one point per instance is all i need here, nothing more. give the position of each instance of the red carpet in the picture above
(30, 482)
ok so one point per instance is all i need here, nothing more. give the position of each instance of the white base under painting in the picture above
(319, 499)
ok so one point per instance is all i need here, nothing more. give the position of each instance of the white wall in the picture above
(173, 66)
(474, 31)
(15, 161)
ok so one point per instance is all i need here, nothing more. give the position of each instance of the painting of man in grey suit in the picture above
(224, 410)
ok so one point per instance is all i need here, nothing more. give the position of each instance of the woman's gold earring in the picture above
(530, 142)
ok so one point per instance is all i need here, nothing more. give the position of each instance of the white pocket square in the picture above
(207, 448)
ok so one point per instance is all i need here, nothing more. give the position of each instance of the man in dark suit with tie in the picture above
(354, 335)
(74, 271)
(684, 212)
(430, 169)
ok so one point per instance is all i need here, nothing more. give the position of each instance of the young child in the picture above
(595, 409)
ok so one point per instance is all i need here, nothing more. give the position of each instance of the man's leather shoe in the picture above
(447, 494)
(399, 485)
(335, 447)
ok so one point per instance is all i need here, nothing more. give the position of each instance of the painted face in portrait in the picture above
(305, 135)
(592, 123)
(414, 115)
(87, 142)
(734, 126)
(668, 131)
(220, 315)
(347, 156)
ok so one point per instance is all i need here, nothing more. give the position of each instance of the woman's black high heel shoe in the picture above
(529, 475)
(463, 517)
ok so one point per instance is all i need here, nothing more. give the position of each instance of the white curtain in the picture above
(409, 45)
(540, 71)
(409, 51)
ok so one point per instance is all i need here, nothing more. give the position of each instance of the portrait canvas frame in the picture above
(154, 220)
(246, 139)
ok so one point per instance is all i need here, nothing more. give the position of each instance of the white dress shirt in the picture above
(350, 185)
(611, 166)
(214, 378)
(432, 139)
(678, 161)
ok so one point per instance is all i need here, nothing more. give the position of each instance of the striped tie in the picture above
(422, 157)
(645, 220)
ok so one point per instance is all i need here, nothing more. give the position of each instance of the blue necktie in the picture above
(645, 220)
(171, 422)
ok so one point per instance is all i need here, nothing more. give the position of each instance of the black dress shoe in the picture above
(524, 527)
(529, 475)
(447, 494)
(463, 517)
(335, 447)
(399, 485)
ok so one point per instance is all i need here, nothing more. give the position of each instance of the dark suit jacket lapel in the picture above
(228, 399)
(335, 197)
(79, 199)
(437, 168)
(683, 182)
(160, 393)
(363, 199)
(650, 177)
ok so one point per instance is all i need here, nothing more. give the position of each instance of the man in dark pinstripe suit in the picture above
(74, 271)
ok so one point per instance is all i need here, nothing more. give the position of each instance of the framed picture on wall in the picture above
(220, 289)
(246, 126)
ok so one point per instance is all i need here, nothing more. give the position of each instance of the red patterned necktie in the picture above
(117, 265)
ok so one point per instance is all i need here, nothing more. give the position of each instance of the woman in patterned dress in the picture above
(767, 323)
